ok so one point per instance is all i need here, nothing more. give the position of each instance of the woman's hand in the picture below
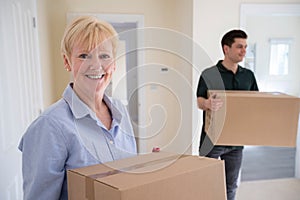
(156, 149)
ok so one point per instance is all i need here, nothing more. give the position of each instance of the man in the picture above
(226, 75)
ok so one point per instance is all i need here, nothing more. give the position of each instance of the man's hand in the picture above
(212, 103)
(215, 103)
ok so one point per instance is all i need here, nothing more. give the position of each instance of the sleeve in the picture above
(210, 79)
(202, 88)
(254, 84)
(44, 154)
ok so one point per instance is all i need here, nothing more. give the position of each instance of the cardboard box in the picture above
(159, 176)
(254, 118)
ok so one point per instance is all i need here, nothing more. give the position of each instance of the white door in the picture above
(20, 88)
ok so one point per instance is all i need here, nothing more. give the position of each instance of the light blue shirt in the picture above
(69, 135)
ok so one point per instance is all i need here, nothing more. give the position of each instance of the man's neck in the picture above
(230, 65)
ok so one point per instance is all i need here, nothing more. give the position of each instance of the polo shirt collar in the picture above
(224, 69)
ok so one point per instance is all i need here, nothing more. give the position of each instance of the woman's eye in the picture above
(83, 56)
(104, 56)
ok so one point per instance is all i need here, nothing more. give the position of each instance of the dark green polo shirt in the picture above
(219, 78)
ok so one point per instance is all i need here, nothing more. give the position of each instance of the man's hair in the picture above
(228, 38)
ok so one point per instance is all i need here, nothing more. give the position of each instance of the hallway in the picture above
(268, 173)
(261, 163)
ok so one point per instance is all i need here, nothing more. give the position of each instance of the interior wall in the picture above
(46, 60)
(175, 93)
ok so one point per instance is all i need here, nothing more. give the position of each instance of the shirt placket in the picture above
(110, 141)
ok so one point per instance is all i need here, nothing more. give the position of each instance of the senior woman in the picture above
(85, 127)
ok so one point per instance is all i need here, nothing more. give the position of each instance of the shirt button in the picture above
(111, 142)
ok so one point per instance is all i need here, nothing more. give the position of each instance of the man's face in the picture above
(237, 51)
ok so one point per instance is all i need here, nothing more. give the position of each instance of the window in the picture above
(250, 57)
(279, 56)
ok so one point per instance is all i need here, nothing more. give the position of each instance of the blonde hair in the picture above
(89, 32)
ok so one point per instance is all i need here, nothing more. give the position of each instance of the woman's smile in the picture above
(95, 76)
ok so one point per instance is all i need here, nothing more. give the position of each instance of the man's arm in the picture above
(202, 103)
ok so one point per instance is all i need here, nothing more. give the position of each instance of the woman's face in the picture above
(92, 70)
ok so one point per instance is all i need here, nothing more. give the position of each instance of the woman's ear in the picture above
(67, 63)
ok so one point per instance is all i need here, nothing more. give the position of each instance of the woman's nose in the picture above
(95, 63)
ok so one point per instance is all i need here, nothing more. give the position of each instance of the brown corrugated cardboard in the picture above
(159, 176)
(254, 118)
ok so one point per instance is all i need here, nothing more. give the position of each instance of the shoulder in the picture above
(209, 73)
(58, 107)
(210, 69)
(53, 119)
(213, 69)
(212, 74)
(59, 113)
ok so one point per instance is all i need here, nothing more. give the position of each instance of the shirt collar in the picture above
(80, 109)
(114, 109)
(224, 69)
